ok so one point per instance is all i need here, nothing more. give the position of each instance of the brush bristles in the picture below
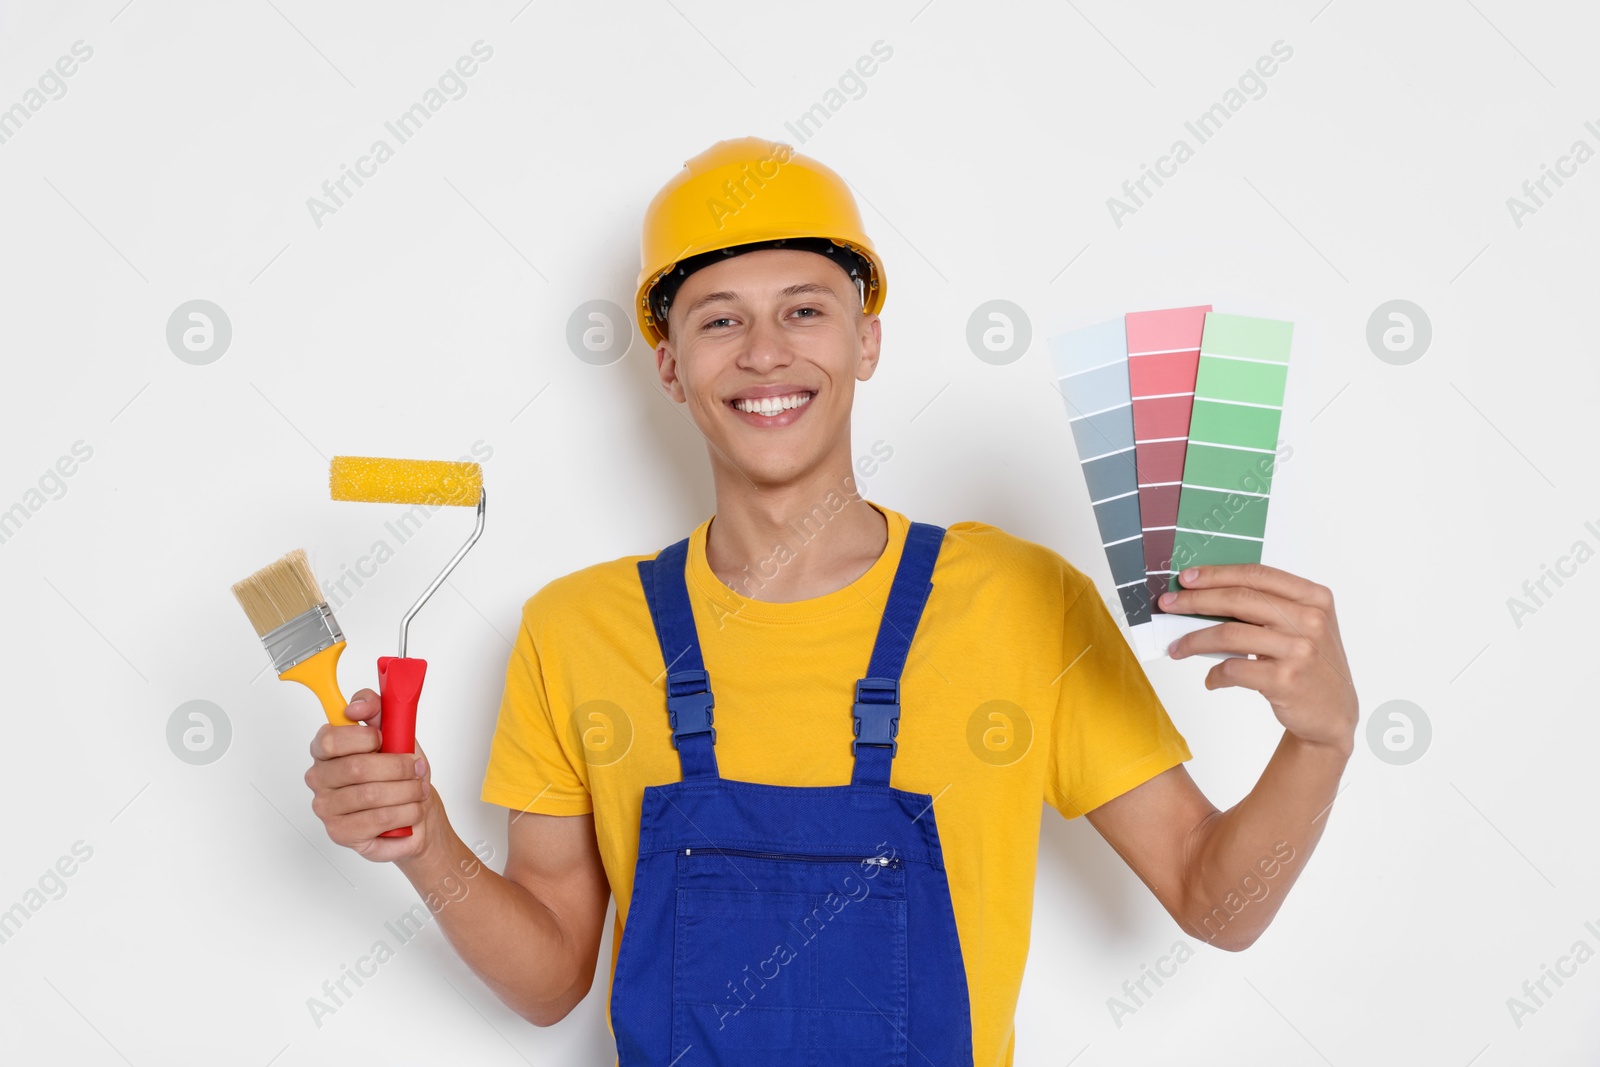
(405, 481)
(279, 592)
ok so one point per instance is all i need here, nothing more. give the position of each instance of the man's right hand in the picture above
(533, 933)
(359, 792)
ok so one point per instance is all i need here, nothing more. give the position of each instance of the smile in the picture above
(772, 406)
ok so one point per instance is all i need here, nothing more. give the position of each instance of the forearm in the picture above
(1240, 864)
(500, 929)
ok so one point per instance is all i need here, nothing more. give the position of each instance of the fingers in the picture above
(1237, 637)
(333, 742)
(1284, 664)
(362, 768)
(367, 796)
(348, 755)
(1263, 579)
(1258, 674)
(359, 828)
(1240, 602)
(358, 792)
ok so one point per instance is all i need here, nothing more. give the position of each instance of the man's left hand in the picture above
(1288, 625)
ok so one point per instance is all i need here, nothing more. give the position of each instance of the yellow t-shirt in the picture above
(1018, 689)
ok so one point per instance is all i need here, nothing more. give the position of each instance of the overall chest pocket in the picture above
(789, 960)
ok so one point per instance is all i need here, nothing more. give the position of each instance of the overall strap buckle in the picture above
(877, 713)
(689, 704)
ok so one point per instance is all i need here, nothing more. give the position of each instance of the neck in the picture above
(795, 541)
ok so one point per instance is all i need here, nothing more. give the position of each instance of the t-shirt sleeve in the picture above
(1110, 732)
(529, 767)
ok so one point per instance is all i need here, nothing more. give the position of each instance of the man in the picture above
(805, 747)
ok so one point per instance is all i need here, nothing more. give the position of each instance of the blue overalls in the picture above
(786, 926)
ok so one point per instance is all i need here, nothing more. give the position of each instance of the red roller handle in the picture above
(399, 688)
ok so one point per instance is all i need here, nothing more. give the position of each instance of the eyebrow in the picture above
(794, 290)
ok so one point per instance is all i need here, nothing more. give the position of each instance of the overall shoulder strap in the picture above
(877, 705)
(689, 699)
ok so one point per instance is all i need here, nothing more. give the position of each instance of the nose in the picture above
(765, 347)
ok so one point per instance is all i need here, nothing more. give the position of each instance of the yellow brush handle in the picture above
(320, 674)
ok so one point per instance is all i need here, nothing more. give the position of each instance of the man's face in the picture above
(781, 324)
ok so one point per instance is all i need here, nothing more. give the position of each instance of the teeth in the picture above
(772, 405)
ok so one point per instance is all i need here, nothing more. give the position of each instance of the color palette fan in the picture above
(1175, 416)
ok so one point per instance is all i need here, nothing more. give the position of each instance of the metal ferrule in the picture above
(302, 637)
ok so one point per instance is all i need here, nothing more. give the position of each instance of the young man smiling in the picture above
(818, 807)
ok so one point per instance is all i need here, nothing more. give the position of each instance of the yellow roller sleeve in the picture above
(405, 481)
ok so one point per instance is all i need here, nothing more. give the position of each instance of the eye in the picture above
(814, 312)
(712, 323)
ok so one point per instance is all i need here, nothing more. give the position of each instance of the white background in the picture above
(431, 310)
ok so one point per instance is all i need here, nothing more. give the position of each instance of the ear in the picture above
(869, 335)
(667, 370)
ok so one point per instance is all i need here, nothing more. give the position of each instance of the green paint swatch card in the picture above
(1233, 442)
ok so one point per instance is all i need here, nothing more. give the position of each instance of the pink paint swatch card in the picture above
(1163, 358)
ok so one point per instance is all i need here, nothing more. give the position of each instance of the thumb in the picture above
(365, 706)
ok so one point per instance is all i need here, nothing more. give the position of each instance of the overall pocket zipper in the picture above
(892, 862)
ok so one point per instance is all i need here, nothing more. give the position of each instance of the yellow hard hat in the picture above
(749, 192)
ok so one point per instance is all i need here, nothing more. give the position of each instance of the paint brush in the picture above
(297, 628)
